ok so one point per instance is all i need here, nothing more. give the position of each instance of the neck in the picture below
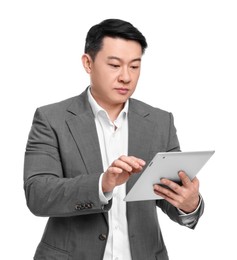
(113, 111)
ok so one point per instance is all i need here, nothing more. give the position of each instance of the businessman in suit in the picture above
(85, 153)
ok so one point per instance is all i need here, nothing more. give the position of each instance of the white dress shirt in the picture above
(113, 140)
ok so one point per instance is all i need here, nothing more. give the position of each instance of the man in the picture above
(85, 153)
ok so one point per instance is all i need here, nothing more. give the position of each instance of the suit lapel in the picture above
(82, 126)
(84, 133)
(139, 137)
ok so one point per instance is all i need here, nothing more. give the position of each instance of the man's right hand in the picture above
(120, 171)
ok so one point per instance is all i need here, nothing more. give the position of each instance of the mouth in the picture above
(122, 91)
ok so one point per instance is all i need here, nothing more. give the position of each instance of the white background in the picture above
(189, 68)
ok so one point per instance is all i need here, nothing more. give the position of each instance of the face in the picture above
(114, 72)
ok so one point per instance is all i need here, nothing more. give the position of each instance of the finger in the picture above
(114, 170)
(134, 162)
(171, 185)
(195, 181)
(122, 165)
(141, 162)
(168, 198)
(165, 192)
(184, 178)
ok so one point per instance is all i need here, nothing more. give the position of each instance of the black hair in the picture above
(114, 28)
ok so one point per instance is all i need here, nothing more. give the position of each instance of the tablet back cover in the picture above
(167, 165)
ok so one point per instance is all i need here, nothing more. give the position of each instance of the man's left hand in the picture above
(185, 196)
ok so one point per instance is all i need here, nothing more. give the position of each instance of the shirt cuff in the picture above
(190, 219)
(104, 196)
(191, 213)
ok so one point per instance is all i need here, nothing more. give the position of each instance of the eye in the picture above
(114, 65)
(134, 67)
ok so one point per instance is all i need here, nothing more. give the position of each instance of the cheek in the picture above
(104, 76)
(97, 77)
(135, 80)
(136, 74)
(132, 90)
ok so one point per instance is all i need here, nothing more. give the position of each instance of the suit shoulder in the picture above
(57, 106)
(54, 113)
(143, 108)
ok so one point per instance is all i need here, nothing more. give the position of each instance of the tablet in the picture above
(167, 165)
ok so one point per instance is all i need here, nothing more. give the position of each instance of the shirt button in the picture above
(102, 237)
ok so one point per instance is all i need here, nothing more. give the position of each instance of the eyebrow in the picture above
(117, 58)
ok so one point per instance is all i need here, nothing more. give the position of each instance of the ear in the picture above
(86, 61)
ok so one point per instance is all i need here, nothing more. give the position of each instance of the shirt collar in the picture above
(96, 108)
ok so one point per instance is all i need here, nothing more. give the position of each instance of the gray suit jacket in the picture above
(61, 172)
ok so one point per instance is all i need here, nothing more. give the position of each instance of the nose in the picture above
(124, 76)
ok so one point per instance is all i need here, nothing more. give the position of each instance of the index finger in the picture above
(134, 162)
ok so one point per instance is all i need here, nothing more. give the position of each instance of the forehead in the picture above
(121, 48)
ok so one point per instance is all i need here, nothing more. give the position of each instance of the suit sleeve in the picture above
(166, 207)
(173, 142)
(48, 191)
